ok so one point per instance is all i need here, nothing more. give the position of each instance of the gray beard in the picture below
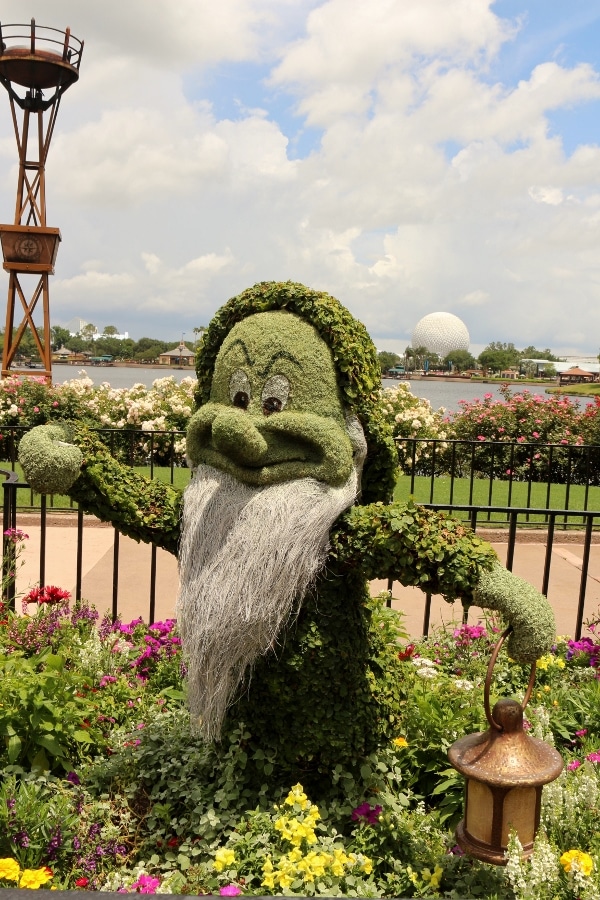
(247, 557)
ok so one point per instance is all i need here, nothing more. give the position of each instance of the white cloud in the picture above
(426, 182)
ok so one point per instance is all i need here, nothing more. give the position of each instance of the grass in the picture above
(482, 492)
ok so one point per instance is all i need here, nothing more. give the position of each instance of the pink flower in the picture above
(481, 437)
(230, 890)
(593, 757)
(145, 885)
(581, 732)
(535, 434)
(573, 765)
(55, 403)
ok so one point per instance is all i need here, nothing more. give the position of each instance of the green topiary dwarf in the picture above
(285, 521)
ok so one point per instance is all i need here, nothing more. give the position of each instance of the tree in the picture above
(387, 360)
(110, 330)
(533, 353)
(88, 331)
(459, 360)
(498, 356)
(60, 336)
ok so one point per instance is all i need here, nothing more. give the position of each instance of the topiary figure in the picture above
(285, 521)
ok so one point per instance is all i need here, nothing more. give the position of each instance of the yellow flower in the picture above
(400, 742)
(297, 795)
(268, 877)
(284, 879)
(338, 861)
(366, 866)
(412, 875)
(223, 858)
(34, 878)
(584, 862)
(9, 869)
(436, 877)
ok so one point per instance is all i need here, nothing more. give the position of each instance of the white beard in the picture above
(247, 558)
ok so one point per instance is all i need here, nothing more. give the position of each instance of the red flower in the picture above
(407, 652)
(49, 594)
(82, 882)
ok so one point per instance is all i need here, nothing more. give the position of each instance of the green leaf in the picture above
(39, 763)
(14, 747)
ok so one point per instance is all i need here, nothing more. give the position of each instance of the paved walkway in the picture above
(134, 575)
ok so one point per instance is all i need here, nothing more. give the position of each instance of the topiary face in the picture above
(274, 412)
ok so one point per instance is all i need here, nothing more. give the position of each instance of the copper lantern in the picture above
(505, 770)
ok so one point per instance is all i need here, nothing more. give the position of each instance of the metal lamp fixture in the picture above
(505, 770)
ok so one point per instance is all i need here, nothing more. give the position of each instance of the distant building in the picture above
(180, 356)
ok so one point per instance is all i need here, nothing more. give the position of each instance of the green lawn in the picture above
(482, 492)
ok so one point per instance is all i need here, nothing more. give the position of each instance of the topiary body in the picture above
(284, 376)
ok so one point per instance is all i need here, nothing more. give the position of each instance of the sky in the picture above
(407, 156)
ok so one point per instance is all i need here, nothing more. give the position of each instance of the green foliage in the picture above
(413, 546)
(387, 360)
(354, 357)
(42, 718)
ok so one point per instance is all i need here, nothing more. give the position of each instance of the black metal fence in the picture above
(501, 474)
(440, 475)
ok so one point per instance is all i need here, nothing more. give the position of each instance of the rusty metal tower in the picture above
(40, 60)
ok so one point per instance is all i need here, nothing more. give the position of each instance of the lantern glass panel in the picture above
(519, 815)
(479, 810)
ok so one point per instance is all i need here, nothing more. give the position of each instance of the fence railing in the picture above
(500, 474)
(462, 477)
(586, 521)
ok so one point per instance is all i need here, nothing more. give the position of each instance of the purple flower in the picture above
(73, 778)
(230, 890)
(366, 813)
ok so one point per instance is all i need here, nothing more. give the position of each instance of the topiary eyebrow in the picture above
(281, 354)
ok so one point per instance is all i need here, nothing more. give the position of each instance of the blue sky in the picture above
(409, 157)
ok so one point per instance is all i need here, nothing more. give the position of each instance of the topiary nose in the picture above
(235, 435)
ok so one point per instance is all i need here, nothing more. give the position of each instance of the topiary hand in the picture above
(523, 607)
(51, 464)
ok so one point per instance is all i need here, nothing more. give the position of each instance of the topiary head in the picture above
(319, 363)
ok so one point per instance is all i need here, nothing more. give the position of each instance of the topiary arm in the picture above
(141, 508)
(439, 554)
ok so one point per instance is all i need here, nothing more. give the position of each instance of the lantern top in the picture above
(506, 756)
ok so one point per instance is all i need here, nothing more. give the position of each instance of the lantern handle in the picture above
(488, 680)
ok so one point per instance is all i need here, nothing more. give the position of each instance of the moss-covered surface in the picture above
(275, 411)
(354, 357)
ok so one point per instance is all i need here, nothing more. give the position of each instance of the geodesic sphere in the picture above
(441, 332)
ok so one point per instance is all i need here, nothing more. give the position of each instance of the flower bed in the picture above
(104, 787)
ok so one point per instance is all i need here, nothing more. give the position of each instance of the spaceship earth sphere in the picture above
(441, 332)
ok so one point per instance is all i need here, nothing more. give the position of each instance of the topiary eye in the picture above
(239, 389)
(275, 394)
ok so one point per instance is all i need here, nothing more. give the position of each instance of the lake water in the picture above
(439, 393)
